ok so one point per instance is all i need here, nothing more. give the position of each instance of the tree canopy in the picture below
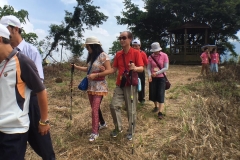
(116, 47)
(69, 34)
(152, 23)
(22, 15)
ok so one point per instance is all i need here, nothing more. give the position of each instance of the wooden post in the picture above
(185, 44)
(206, 36)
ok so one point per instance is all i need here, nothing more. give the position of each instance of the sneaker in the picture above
(155, 109)
(115, 133)
(93, 137)
(129, 137)
(102, 126)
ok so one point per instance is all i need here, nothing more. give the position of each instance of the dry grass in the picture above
(202, 116)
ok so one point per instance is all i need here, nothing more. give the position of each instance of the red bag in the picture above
(100, 78)
(134, 79)
(126, 77)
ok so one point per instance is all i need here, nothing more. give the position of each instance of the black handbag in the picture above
(168, 84)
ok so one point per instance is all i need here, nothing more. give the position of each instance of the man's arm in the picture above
(43, 106)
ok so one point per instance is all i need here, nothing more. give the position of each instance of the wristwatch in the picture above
(44, 123)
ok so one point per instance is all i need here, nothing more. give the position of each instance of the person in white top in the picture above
(18, 78)
(42, 145)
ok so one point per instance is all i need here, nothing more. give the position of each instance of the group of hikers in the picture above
(23, 97)
(129, 63)
(212, 58)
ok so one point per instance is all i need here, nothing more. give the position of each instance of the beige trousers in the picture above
(124, 95)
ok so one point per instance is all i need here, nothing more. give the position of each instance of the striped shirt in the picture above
(19, 77)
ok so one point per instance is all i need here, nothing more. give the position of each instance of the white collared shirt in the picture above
(32, 52)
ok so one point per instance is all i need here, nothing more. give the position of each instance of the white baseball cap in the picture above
(10, 21)
(4, 32)
(136, 41)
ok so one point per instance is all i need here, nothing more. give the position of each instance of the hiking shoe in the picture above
(115, 133)
(93, 137)
(129, 137)
(160, 115)
(102, 126)
(155, 109)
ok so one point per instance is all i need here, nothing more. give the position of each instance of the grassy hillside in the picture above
(202, 119)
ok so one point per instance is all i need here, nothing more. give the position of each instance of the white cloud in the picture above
(29, 27)
(68, 1)
(3, 2)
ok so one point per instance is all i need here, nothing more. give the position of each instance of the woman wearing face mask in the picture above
(99, 62)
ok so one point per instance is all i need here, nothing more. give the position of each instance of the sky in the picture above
(43, 13)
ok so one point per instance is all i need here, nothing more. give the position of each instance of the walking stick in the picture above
(130, 73)
(72, 70)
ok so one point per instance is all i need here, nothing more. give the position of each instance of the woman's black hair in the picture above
(96, 51)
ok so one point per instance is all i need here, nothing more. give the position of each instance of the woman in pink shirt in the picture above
(214, 61)
(156, 78)
(205, 56)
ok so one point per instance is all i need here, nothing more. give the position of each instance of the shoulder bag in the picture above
(126, 79)
(168, 84)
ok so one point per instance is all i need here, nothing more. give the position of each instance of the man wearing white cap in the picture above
(18, 78)
(141, 94)
(42, 145)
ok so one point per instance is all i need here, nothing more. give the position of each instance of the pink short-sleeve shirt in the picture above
(214, 58)
(204, 57)
(161, 58)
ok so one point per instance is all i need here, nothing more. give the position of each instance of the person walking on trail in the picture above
(205, 56)
(99, 63)
(141, 94)
(121, 64)
(42, 145)
(18, 78)
(156, 78)
(214, 61)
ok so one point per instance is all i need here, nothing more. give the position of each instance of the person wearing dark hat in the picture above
(141, 94)
(156, 78)
(42, 145)
(99, 66)
(18, 78)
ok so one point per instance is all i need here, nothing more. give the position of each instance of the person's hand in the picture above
(150, 79)
(43, 129)
(131, 66)
(154, 74)
(92, 76)
(72, 64)
(102, 68)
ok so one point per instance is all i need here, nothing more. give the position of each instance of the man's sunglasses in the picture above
(123, 38)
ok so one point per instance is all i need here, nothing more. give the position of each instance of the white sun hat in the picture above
(155, 47)
(92, 40)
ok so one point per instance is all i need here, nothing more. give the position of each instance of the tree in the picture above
(116, 47)
(22, 15)
(69, 33)
(152, 24)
